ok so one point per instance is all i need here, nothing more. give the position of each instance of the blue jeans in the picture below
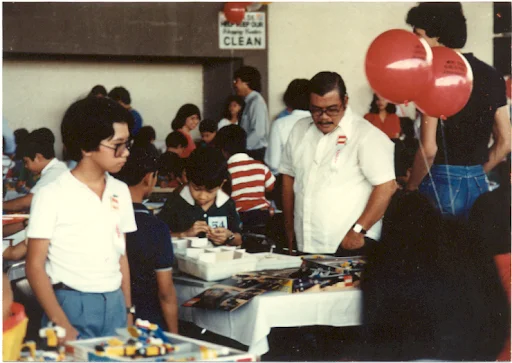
(92, 314)
(453, 189)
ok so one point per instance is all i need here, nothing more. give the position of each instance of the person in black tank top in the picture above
(455, 153)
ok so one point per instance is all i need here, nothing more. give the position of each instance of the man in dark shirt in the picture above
(149, 249)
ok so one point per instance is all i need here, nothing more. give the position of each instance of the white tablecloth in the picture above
(251, 323)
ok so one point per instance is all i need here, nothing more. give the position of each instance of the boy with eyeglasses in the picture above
(76, 262)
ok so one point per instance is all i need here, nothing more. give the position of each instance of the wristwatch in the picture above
(230, 239)
(358, 229)
(130, 310)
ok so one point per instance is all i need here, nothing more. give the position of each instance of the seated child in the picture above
(171, 173)
(250, 178)
(176, 142)
(208, 130)
(149, 249)
(76, 262)
(202, 209)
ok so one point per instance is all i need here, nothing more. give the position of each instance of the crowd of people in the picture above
(347, 185)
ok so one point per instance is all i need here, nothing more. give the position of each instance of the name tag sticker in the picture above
(218, 222)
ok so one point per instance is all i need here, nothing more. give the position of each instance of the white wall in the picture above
(36, 94)
(306, 38)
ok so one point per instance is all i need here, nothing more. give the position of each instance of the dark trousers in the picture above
(257, 154)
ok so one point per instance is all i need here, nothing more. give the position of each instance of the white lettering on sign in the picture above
(250, 34)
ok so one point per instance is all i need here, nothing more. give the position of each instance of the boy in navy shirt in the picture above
(202, 209)
(149, 249)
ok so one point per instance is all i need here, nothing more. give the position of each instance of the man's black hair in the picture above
(325, 82)
(296, 95)
(89, 121)
(183, 113)
(208, 125)
(120, 94)
(98, 90)
(206, 167)
(390, 107)
(233, 98)
(176, 139)
(39, 141)
(251, 76)
(232, 139)
(139, 163)
(444, 20)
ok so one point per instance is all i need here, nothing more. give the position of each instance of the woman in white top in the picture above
(232, 111)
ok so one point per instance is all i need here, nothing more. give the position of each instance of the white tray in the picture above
(215, 271)
(267, 261)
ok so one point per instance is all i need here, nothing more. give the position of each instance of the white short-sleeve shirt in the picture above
(86, 233)
(50, 173)
(334, 177)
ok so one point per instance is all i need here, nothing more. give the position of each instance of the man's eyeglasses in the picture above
(119, 148)
(330, 111)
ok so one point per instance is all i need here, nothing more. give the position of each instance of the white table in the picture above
(251, 323)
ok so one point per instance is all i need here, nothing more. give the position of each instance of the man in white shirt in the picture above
(297, 97)
(338, 175)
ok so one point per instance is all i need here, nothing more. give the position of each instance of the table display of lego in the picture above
(49, 350)
(316, 273)
(147, 342)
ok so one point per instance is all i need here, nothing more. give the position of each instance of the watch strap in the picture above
(359, 229)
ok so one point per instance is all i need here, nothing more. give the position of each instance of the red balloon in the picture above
(451, 85)
(509, 87)
(398, 65)
(235, 12)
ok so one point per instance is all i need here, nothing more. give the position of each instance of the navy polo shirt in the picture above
(149, 250)
(180, 212)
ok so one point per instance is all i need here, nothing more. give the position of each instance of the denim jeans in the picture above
(92, 314)
(453, 188)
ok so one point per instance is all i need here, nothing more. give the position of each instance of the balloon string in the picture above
(452, 201)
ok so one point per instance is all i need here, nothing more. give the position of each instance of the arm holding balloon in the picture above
(501, 135)
(426, 152)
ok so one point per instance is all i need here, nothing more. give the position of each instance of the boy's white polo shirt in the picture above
(86, 234)
(334, 175)
(49, 173)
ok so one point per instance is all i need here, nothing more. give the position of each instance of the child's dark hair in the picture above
(170, 164)
(234, 98)
(176, 139)
(39, 141)
(20, 135)
(89, 121)
(120, 94)
(139, 163)
(207, 167)
(444, 20)
(98, 91)
(232, 139)
(144, 137)
(390, 107)
(183, 113)
(208, 125)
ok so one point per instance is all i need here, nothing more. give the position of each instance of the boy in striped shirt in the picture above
(251, 179)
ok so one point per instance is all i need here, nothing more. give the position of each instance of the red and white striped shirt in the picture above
(250, 179)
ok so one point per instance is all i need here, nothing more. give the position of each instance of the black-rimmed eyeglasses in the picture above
(119, 148)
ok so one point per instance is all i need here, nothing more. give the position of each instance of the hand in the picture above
(219, 235)
(197, 227)
(352, 240)
(71, 334)
(129, 319)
